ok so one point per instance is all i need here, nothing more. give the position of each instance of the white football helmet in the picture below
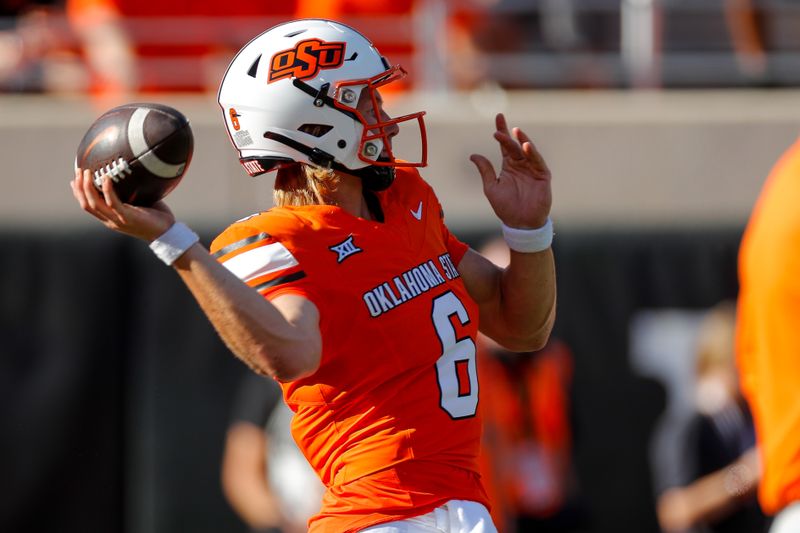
(290, 95)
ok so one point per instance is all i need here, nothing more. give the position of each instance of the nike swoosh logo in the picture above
(418, 213)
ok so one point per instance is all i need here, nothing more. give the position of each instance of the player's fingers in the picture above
(485, 169)
(529, 150)
(539, 164)
(77, 191)
(95, 203)
(500, 123)
(110, 195)
(89, 190)
(520, 136)
(532, 154)
(115, 206)
(84, 187)
(502, 132)
(509, 147)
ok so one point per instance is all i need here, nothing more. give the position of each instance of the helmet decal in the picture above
(234, 119)
(306, 59)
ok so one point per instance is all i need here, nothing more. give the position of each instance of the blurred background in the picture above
(659, 119)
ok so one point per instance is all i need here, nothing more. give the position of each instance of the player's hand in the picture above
(147, 223)
(520, 194)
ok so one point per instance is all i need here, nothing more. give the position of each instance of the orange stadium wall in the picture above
(116, 392)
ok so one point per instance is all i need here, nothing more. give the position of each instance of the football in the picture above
(145, 148)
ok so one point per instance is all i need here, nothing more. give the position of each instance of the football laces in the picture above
(117, 170)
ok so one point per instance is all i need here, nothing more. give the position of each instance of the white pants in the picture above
(787, 520)
(456, 516)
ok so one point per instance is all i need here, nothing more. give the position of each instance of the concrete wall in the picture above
(618, 158)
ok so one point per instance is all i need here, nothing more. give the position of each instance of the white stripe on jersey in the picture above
(260, 261)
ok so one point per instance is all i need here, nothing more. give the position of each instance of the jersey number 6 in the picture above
(456, 369)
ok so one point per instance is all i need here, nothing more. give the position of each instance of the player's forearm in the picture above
(252, 327)
(527, 299)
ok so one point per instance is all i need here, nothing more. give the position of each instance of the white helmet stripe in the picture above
(148, 158)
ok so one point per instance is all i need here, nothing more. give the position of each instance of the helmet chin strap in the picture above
(373, 178)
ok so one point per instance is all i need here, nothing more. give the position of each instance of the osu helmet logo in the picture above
(306, 59)
(234, 119)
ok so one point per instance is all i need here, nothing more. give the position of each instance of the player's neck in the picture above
(349, 195)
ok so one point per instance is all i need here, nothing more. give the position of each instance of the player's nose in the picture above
(390, 129)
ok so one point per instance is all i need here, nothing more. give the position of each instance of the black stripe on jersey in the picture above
(244, 242)
(294, 276)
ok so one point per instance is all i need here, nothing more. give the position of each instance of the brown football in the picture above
(145, 148)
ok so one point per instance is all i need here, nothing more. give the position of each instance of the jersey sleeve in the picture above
(260, 260)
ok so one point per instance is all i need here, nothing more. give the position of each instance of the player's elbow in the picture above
(528, 342)
(539, 339)
(285, 373)
(528, 337)
(292, 362)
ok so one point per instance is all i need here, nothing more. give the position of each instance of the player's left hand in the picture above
(520, 194)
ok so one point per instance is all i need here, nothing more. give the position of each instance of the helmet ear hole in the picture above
(317, 130)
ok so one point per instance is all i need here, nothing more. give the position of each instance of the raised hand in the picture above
(520, 194)
(146, 223)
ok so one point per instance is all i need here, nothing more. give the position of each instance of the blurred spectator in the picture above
(35, 47)
(512, 33)
(169, 45)
(527, 446)
(107, 48)
(768, 337)
(744, 24)
(466, 64)
(720, 494)
(265, 478)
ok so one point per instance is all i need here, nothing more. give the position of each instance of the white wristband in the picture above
(529, 240)
(174, 242)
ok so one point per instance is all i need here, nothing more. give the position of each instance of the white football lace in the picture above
(117, 170)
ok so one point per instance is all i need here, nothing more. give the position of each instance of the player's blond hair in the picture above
(302, 184)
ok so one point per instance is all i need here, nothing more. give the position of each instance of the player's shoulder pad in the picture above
(271, 225)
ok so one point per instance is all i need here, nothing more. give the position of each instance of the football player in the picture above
(351, 292)
(768, 341)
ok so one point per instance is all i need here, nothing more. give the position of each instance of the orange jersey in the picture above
(389, 420)
(768, 334)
